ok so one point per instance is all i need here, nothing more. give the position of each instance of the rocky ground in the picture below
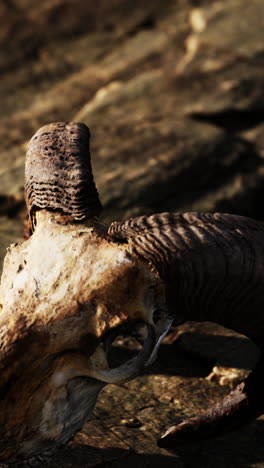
(173, 93)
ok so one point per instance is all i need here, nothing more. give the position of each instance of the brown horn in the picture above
(58, 174)
(239, 407)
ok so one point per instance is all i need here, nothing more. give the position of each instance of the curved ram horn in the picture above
(241, 406)
(58, 173)
(213, 270)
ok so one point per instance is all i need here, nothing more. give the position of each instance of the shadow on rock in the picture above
(241, 449)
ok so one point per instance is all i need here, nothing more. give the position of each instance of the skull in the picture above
(67, 293)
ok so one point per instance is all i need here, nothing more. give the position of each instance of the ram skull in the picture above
(75, 285)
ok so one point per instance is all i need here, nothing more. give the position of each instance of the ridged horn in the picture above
(242, 405)
(58, 173)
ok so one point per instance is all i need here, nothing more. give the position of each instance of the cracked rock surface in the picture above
(173, 93)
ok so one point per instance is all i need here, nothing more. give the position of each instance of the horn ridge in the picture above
(58, 173)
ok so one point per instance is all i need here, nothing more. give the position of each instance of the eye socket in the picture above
(125, 342)
(157, 315)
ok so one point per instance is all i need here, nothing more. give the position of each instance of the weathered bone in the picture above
(74, 283)
(65, 291)
(131, 368)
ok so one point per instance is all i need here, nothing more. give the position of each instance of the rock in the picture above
(232, 355)
(222, 69)
(173, 94)
(157, 150)
(11, 231)
(27, 27)
(18, 38)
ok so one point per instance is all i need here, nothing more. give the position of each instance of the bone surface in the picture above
(63, 290)
(75, 284)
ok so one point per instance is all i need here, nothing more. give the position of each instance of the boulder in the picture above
(173, 94)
